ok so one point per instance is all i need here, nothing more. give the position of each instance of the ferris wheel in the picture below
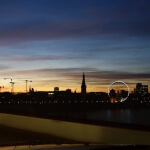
(118, 90)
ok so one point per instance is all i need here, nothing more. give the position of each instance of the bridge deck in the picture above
(86, 131)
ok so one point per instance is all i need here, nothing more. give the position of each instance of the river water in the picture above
(139, 116)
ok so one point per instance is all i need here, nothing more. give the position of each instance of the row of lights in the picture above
(47, 102)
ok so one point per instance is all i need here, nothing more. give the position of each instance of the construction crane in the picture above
(26, 84)
(11, 83)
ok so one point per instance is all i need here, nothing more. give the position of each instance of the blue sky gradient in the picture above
(51, 42)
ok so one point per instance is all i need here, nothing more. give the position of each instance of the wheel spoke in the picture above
(118, 90)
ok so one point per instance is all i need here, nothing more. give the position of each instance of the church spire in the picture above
(83, 80)
(83, 88)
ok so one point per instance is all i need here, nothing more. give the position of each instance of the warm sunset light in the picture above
(51, 43)
(74, 72)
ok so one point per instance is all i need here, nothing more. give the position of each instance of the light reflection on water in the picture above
(134, 116)
(137, 116)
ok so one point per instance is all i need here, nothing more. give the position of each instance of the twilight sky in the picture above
(52, 42)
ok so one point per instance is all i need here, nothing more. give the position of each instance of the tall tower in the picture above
(83, 88)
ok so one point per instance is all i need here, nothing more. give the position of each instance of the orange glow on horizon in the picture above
(78, 90)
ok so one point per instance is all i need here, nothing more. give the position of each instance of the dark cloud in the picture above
(92, 19)
(91, 74)
(72, 29)
(117, 75)
(39, 58)
(49, 30)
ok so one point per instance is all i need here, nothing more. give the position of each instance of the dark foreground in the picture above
(11, 138)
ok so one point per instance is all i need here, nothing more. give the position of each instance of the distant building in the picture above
(83, 88)
(31, 90)
(123, 93)
(112, 95)
(141, 89)
(56, 89)
(68, 91)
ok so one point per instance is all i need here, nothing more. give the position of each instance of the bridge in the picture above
(84, 131)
